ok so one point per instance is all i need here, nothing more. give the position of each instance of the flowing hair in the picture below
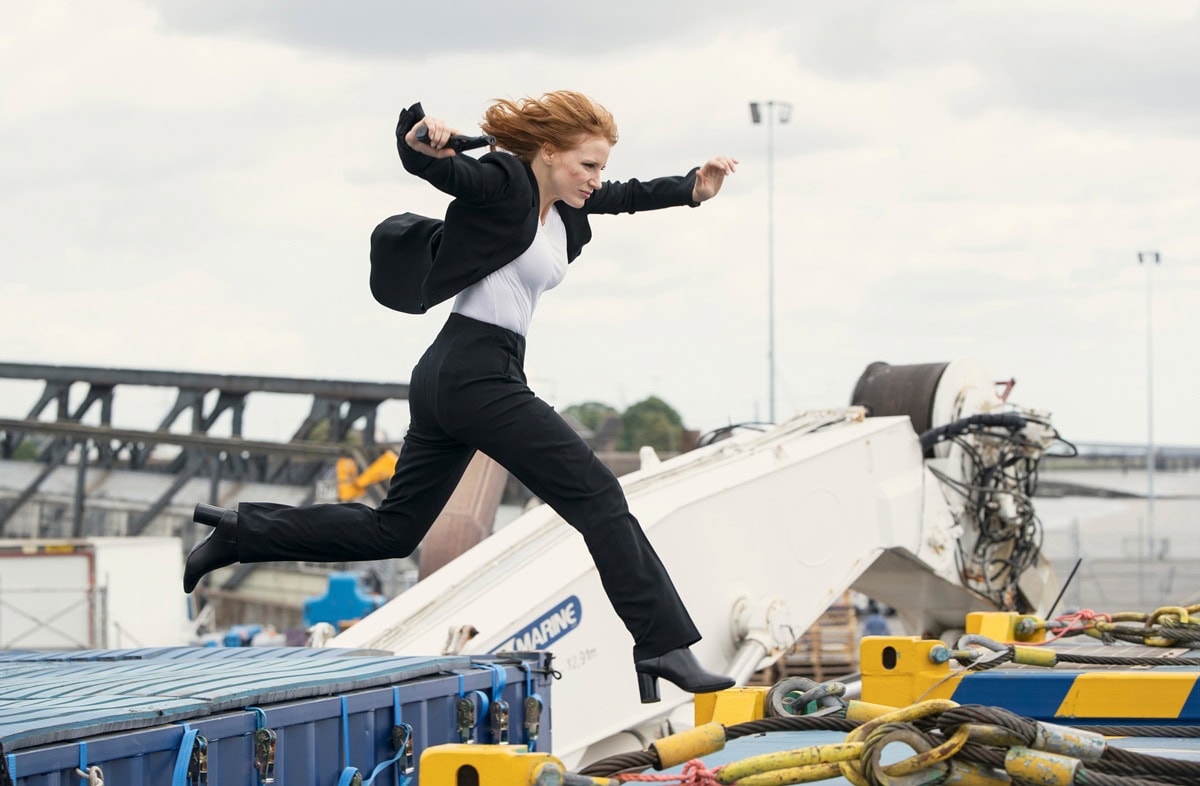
(561, 119)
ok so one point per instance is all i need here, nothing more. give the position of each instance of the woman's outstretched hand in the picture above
(439, 135)
(711, 176)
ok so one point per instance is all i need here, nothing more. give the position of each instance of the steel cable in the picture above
(1114, 761)
(620, 762)
(1142, 731)
(1111, 660)
(1117, 766)
(1121, 760)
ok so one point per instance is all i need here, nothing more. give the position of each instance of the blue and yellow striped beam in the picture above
(899, 671)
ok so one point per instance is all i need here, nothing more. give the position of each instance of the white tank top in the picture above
(508, 296)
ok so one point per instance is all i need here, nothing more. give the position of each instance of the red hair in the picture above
(561, 119)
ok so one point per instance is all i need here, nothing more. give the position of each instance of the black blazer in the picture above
(418, 262)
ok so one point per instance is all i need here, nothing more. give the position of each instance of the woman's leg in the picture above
(526, 436)
(427, 472)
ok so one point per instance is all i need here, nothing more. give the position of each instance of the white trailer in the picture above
(91, 593)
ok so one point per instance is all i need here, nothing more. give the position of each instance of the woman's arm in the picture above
(700, 184)
(462, 177)
(631, 195)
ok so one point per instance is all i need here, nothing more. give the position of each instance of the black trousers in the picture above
(468, 392)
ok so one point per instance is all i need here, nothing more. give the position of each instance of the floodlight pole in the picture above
(756, 118)
(1149, 259)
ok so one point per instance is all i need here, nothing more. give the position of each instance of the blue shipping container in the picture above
(185, 716)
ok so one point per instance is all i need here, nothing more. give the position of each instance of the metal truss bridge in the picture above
(337, 408)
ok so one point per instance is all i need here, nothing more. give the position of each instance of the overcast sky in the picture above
(191, 185)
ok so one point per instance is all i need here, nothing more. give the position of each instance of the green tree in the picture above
(322, 431)
(25, 451)
(651, 422)
(590, 413)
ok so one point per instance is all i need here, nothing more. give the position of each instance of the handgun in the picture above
(458, 142)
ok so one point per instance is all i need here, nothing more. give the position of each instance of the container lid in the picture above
(53, 696)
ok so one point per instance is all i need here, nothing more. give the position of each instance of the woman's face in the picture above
(574, 174)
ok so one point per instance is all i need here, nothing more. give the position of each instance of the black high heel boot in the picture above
(680, 667)
(217, 550)
(209, 515)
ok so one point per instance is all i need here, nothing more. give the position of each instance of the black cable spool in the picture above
(886, 390)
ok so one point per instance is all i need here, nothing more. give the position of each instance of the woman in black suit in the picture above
(518, 218)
